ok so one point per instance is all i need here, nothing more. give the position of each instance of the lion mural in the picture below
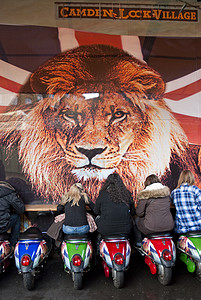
(102, 111)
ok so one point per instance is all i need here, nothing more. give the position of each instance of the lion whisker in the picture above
(131, 159)
(58, 158)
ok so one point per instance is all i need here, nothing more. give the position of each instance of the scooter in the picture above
(115, 253)
(30, 254)
(5, 252)
(159, 254)
(189, 246)
(76, 252)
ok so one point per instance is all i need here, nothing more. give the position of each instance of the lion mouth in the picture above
(90, 167)
(87, 172)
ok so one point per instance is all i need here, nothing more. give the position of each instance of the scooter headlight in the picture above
(26, 260)
(167, 255)
(77, 260)
(119, 260)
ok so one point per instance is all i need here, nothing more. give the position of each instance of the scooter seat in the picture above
(117, 237)
(76, 237)
(32, 233)
(4, 236)
(193, 233)
(30, 236)
(158, 234)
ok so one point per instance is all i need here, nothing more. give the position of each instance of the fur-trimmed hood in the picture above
(155, 190)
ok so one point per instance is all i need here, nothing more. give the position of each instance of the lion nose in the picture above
(90, 153)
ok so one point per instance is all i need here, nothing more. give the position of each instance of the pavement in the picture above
(53, 283)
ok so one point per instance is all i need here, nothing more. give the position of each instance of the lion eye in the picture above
(119, 114)
(71, 114)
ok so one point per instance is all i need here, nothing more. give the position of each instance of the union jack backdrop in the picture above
(24, 48)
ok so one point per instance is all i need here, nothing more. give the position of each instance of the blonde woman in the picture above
(74, 203)
(187, 200)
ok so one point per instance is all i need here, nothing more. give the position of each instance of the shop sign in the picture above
(125, 12)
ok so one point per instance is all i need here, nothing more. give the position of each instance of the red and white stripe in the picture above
(11, 80)
(183, 97)
(70, 38)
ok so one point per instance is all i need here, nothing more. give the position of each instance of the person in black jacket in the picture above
(11, 206)
(114, 207)
(74, 202)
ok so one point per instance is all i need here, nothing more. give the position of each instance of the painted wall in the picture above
(78, 106)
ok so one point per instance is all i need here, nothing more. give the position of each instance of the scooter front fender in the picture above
(28, 269)
(76, 269)
(118, 267)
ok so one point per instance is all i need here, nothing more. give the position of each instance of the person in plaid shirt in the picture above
(187, 200)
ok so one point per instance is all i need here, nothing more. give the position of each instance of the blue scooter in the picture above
(30, 253)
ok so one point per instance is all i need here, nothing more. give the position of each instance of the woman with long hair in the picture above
(114, 207)
(74, 203)
(187, 200)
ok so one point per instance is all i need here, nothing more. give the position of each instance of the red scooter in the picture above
(159, 252)
(5, 252)
(115, 254)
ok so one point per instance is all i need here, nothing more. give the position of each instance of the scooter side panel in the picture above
(104, 252)
(64, 255)
(191, 246)
(197, 243)
(150, 250)
(128, 254)
(40, 253)
(88, 255)
(173, 251)
(4, 249)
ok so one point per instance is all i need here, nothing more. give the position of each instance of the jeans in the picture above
(137, 233)
(76, 230)
(15, 228)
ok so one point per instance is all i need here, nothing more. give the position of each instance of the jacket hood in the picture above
(5, 188)
(160, 192)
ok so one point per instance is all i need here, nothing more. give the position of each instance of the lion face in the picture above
(69, 137)
(94, 134)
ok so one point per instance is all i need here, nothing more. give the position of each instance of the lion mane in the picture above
(126, 127)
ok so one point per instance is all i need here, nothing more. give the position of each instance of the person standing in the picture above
(11, 206)
(187, 201)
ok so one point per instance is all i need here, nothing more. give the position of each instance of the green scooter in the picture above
(189, 246)
(76, 252)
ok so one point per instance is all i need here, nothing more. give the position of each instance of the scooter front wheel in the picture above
(77, 279)
(164, 275)
(28, 280)
(118, 279)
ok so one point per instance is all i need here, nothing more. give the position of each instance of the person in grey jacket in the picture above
(153, 208)
(11, 206)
